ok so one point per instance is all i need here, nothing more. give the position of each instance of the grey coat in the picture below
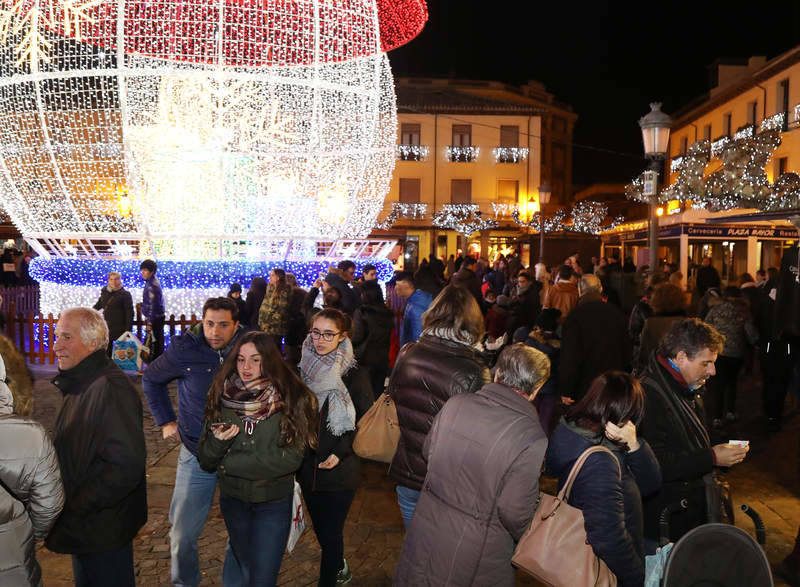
(31, 494)
(484, 453)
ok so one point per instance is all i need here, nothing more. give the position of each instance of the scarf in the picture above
(323, 375)
(252, 402)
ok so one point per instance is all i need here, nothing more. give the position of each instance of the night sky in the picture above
(606, 60)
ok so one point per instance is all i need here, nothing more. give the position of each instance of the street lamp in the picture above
(655, 136)
(544, 198)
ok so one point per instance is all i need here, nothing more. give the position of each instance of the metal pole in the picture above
(653, 229)
(541, 234)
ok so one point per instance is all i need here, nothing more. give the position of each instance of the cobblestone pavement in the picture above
(768, 481)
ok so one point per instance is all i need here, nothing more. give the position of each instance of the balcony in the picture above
(412, 152)
(745, 132)
(775, 122)
(462, 154)
(675, 163)
(510, 154)
(718, 144)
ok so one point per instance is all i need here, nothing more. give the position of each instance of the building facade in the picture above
(486, 144)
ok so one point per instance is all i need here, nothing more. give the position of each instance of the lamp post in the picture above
(655, 136)
(544, 198)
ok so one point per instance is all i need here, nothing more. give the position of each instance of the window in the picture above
(781, 166)
(726, 124)
(752, 112)
(409, 134)
(684, 145)
(462, 135)
(707, 132)
(461, 191)
(507, 191)
(782, 96)
(409, 190)
(509, 136)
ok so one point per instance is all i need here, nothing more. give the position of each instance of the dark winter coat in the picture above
(611, 505)
(152, 299)
(255, 295)
(525, 308)
(639, 315)
(99, 441)
(241, 306)
(732, 319)
(655, 328)
(350, 296)
(297, 320)
(594, 339)
(484, 453)
(251, 468)
(117, 307)
(347, 474)
(191, 361)
(427, 373)
(706, 277)
(372, 332)
(674, 427)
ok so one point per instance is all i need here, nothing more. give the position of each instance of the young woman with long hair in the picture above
(273, 316)
(260, 419)
(331, 472)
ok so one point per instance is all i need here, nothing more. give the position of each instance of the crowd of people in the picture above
(497, 372)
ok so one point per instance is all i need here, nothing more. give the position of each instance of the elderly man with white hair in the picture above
(484, 455)
(100, 446)
(594, 339)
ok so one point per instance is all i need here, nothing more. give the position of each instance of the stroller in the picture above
(716, 555)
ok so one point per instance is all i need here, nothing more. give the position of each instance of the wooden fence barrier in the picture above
(34, 334)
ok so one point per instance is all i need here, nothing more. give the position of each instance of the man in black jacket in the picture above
(674, 426)
(116, 304)
(100, 446)
(466, 277)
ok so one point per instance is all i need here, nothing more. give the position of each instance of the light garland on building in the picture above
(510, 154)
(744, 132)
(412, 152)
(463, 218)
(718, 145)
(689, 183)
(401, 210)
(585, 216)
(774, 122)
(462, 154)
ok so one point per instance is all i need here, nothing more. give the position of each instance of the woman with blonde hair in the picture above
(273, 315)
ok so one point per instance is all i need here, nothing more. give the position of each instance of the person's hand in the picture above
(318, 283)
(567, 401)
(222, 433)
(169, 430)
(625, 434)
(329, 463)
(728, 455)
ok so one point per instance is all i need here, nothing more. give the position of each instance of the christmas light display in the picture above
(76, 282)
(400, 210)
(745, 132)
(462, 154)
(190, 130)
(774, 122)
(412, 152)
(585, 216)
(463, 218)
(718, 145)
(689, 183)
(510, 154)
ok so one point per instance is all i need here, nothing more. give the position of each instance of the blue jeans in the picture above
(191, 501)
(407, 498)
(258, 533)
(98, 569)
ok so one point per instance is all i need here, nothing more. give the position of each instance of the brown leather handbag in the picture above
(554, 548)
(378, 431)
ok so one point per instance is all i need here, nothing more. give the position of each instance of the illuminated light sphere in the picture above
(191, 130)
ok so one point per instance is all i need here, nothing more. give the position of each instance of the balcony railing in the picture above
(718, 144)
(510, 154)
(675, 163)
(745, 132)
(412, 152)
(774, 122)
(462, 154)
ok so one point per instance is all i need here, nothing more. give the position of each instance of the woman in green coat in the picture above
(260, 418)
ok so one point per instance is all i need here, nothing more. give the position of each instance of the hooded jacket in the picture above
(191, 361)
(99, 441)
(31, 492)
(152, 299)
(484, 454)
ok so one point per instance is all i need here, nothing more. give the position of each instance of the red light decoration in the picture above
(255, 32)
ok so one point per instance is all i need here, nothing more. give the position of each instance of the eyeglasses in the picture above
(327, 336)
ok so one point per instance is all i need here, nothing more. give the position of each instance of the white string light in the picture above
(463, 218)
(462, 154)
(402, 210)
(510, 154)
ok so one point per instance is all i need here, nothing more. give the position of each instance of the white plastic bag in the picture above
(125, 352)
(298, 518)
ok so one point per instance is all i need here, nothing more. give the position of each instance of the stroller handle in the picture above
(761, 532)
(663, 519)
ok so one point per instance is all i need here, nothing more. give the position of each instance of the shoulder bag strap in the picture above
(563, 495)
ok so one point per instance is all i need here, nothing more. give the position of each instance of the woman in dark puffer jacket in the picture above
(443, 362)
(609, 489)
(372, 332)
